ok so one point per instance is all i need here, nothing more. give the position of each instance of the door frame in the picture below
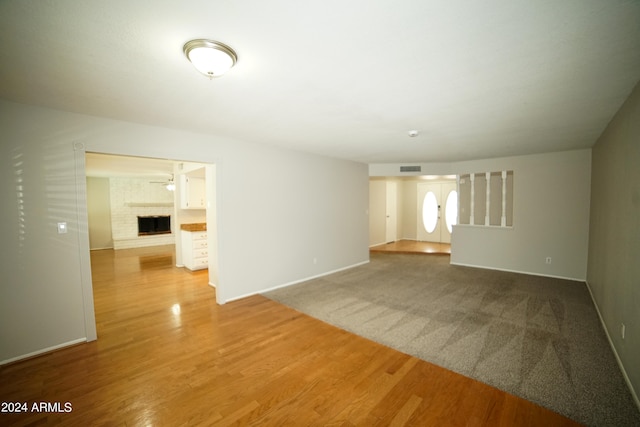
(213, 174)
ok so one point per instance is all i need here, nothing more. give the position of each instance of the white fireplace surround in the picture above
(133, 197)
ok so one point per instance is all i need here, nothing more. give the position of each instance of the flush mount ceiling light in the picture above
(211, 58)
(413, 133)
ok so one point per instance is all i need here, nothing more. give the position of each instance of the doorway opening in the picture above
(123, 190)
(412, 214)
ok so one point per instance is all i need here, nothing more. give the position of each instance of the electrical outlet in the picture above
(548, 260)
(622, 330)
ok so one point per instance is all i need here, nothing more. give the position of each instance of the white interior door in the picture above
(437, 211)
(392, 212)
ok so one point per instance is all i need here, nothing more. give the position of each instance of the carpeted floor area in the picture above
(535, 337)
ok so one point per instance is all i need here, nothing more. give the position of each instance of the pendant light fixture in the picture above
(211, 58)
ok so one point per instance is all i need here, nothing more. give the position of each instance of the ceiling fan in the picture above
(168, 184)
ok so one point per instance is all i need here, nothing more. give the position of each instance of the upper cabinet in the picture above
(193, 190)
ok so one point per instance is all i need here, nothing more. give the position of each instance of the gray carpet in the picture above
(534, 337)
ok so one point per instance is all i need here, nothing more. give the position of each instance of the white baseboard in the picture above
(517, 271)
(615, 352)
(397, 240)
(44, 350)
(295, 282)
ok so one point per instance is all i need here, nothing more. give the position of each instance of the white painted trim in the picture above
(84, 252)
(472, 202)
(615, 353)
(487, 213)
(503, 215)
(44, 350)
(295, 282)
(493, 227)
(517, 271)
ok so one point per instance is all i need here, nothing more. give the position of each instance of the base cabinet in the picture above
(195, 253)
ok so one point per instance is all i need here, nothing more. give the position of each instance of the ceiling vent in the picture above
(410, 169)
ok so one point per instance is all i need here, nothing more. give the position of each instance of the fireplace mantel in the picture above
(149, 204)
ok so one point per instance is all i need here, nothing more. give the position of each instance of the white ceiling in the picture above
(347, 79)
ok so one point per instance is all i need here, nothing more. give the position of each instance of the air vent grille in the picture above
(410, 169)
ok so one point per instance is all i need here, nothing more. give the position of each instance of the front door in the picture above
(437, 211)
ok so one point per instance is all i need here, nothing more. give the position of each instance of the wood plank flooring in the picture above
(167, 355)
(413, 246)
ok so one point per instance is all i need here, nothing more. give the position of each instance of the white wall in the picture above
(282, 216)
(409, 209)
(550, 219)
(99, 211)
(614, 245)
(551, 214)
(377, 212)
(393, 169)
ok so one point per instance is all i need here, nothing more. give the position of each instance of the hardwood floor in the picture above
(414, 246)
(166, 354)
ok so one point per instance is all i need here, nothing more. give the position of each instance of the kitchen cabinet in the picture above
(195, 253)
(193, 191)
